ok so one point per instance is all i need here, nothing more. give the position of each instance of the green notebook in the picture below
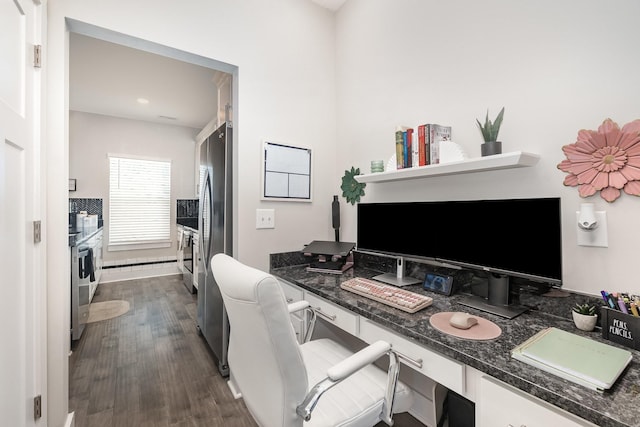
(582, 360)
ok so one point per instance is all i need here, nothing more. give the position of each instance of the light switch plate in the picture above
(265, 218)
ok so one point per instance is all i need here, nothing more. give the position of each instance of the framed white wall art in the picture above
(286, 172)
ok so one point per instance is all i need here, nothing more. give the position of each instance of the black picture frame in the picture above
(72, 184)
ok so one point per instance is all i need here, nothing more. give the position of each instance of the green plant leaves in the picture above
(490, 130)
(586, 309)
(352, 190)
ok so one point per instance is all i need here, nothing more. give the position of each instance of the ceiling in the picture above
(330, 4)
(107, 78)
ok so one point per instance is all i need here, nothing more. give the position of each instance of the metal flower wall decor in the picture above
(606, 160)
(352, 190)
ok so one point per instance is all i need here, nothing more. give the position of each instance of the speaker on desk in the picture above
(335, 216)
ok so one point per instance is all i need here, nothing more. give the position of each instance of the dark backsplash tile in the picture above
(187, 212)
(91, 206)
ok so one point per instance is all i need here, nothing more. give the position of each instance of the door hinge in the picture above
(228, 111)
(37, 407)
(37, 231)
(37, 56)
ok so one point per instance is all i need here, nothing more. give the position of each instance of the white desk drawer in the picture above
(333, 314)
(439, 368)
(501, 405)
(291, 292)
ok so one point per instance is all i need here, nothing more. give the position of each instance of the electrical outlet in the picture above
(265, 218)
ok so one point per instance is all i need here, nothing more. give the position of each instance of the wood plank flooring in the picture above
(150, 367)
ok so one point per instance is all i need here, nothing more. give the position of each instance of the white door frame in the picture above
(57, 175)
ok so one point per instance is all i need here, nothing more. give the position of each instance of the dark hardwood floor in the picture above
(150, 367)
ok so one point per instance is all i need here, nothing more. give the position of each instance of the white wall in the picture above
(93, 136)
(556, 66)
(284, 51)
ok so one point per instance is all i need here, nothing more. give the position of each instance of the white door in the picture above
(21, 278)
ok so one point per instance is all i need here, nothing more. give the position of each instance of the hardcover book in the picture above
(399, 149)
(573, 357)
(409, 148)
(437, 133)
(422, 146)
(405, 151)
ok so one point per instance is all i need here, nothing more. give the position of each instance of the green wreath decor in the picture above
(352, 190)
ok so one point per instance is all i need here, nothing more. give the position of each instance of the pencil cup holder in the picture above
(620, 327)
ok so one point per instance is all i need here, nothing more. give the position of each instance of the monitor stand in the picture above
(398, 278)
(498, 300)
(394, 280)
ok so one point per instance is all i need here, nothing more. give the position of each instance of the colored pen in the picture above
(611, 302)
(604, 296)
(634, 309)
(622, 305)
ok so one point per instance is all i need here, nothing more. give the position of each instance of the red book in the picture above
(409, 147)
(422, 147)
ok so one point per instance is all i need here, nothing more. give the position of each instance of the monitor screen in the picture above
(517, 237)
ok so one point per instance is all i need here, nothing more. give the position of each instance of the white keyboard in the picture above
(390, 295)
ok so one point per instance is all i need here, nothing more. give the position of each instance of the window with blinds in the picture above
(139, 201)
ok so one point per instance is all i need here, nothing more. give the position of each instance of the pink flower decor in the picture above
(606, 160)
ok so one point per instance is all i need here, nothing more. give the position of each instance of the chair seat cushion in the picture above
(358, 399)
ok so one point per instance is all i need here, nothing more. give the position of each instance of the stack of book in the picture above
(423, 150)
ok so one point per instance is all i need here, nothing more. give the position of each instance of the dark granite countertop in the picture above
(616, 407)
(188, 222)
(78, 237)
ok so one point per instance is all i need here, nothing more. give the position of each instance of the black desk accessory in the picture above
(335, 217)
(329, 257)
(438, 283)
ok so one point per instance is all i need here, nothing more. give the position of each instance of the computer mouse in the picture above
(462, 320)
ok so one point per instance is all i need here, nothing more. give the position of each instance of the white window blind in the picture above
(139, 201)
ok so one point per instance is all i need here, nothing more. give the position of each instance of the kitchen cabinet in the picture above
(86, 253)
(196, 258)
(179, 248)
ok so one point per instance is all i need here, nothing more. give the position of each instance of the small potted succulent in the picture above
(490, 134)
(584, 316)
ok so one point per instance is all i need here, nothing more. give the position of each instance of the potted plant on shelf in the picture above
(490, 134)
(584, 316)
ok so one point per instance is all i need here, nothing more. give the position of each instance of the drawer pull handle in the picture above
(415, 362)
(331, 317)
(289, 300)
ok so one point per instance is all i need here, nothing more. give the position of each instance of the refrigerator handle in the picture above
(205, 196)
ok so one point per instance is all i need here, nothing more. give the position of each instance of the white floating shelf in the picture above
(516, 159)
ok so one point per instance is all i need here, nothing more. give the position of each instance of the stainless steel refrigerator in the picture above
(215, 231)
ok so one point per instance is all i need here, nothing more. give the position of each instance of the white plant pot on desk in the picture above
(584, 322)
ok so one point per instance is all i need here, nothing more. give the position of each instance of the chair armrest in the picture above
(358, 360)
(349, 366)
(297, 306)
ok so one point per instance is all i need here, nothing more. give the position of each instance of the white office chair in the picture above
(284, 382)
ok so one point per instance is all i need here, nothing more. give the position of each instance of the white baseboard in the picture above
(234, 389)
(119, 274)
(71, 420)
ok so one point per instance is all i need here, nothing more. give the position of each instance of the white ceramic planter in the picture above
(584, 322)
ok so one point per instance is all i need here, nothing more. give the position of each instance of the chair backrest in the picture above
(264, 356)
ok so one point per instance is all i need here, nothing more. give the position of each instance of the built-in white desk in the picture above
(505, 391)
